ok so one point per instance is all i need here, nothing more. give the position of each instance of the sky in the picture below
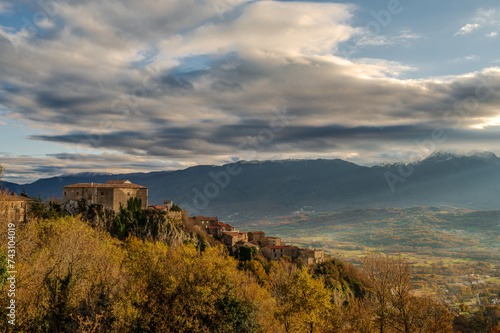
(136, 86)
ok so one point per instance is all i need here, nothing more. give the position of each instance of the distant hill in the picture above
(256, 190)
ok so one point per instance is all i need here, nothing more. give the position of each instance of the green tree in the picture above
(130, 219)
(246, 253)
(38, 207)
(176, 208)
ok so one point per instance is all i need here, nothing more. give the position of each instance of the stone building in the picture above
(310, 256)
(219, 228)
(256, 236)
(277, 252)
(14, 208)
(167, 206)
(230, 238)
(204, 221)
(110, 195)
(271, 241)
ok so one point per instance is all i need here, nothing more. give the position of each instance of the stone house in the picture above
(256, 236)
(279, 251)
(271, 241)
(204, 221)
(14, 208)
(219, 228)
(232, 237)
(309, 256)
(110, 195)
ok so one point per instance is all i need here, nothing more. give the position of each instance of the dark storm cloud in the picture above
(51, 100)
(178, 142)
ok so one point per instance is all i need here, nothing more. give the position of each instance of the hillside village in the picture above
(115, 193)
(271, 248)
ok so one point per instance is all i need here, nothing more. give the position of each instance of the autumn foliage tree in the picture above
(394, 304)
(304, 303)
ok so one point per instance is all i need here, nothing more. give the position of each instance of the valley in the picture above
(454, 253)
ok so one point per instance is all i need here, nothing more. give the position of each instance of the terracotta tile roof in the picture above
(109, 184)
(156, 207)
(256, 232)
(276, 247)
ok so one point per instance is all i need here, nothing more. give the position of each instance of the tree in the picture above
(313, 301)
(381, 272)
(395, 306)
(178, 289)
(176, 208)
(40, 209)
(130, 218)
(246, 253)
(304, 303)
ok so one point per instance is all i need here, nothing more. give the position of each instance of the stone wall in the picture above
(121, 195)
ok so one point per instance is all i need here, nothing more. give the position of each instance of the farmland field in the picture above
(454, 253)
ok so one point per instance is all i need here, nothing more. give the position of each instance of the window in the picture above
(64, 192)
(102, 193)
(128, 194)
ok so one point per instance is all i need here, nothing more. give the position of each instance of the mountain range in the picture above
(244, 191)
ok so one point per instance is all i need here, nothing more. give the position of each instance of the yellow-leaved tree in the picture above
(304, 303)
(178, 289)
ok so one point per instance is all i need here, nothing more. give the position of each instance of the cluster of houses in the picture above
(114, 193)
(271, 248)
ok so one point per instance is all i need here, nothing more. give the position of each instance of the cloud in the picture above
(23, 169)
(487, 16)
(5, 7)
(483, 18)
(157, 85)
(403, 39)
(464, 59)
(467, 29)
(492, 34)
